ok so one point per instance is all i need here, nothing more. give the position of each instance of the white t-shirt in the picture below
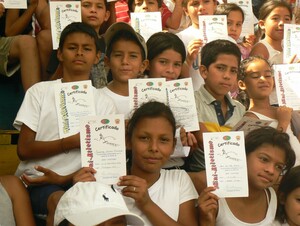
(173, 188)
(38, 112)
(187, 36)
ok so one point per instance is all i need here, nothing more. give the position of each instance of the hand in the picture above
(136, 188)
(49, 177)
(33, 3)
(188, 139)
(249, 40)
(2, 10)
(193, 49)
(284, 116)
(84, 174)
(208, 205)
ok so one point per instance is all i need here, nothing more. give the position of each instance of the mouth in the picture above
(228, 86)
(266, 179)
(92, 18)
(152, 160)
(78, 62)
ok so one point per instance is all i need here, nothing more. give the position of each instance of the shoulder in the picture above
(260, 49)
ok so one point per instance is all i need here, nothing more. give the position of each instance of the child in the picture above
(39, 141)
(160, 197)
(256, 79)
(272, 16)
(166, 55)
(94, 203)
(126, 57)
(15, 208)
(23, 49)
(269, 154)
(189, 36)
(217, 112)
(288, 202)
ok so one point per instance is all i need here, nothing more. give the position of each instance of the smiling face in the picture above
(196, 8)
(273, 24)
(167, 65)
(152, 142)
(264, 166)
(292, 207)
(234, 24)
(220, 76)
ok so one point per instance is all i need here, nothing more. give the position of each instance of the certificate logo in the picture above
(226, 138)
(104, 121)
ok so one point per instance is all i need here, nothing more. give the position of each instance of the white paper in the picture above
(225, 162)
(213, 27)
(247, 124)
(182, 103)
(63, 13)
(291, 42)
(146, 23)
(14, 4)
(73, 101)
(248, 25)
(287, 82)
(180, 150)
(102, 140)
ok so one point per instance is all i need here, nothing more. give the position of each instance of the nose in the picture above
(80, 52)
(153, 146)
(201, 8)
(144, 5)
(270, 168)
(233, 28)
(170, 68)
(227, 74)
(125, 59)
(93, 8)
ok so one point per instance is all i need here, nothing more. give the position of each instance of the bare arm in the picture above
(260, 50)
(28, 148)
(175, 19)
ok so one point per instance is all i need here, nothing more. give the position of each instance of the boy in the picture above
(39, 141)
(21, 48)
(189, 36)
(94, 203)
(217, 112)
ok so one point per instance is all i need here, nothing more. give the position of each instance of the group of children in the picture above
(51, 167)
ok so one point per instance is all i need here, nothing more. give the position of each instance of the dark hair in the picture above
(270, 5)
(226, 8)
(131, 4)
(274, 137)
(289, 183)
(161, 41)
(78, 27)
(213, 49)
(152, 109)
(127, 36)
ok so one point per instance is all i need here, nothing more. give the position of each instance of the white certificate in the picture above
(63, 13)
(291, 42)
(213, 27)
(14, 4)
(73, 101)
(225, 162)
(145, 90)
(102, 141)
(146, 23)
(248, 25)
(287, 82)
(247, 124)
(182, 103)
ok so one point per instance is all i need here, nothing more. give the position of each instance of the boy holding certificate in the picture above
(40, 146)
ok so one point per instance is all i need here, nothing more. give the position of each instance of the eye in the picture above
(133, 56)
(263, 159)
(234, 71)
(239, 25)
(178, 65)
(221, 68)
(229, 23)
(164, 139)
(164, 62)
(87, 49)
(100, 6)
(280, 167)
(86, 5)
(144, 138)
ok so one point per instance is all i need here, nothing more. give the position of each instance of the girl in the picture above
(269, 153)
(160, 197)
(166, 55)
(288, 204)
(256, 79)
(272, 16)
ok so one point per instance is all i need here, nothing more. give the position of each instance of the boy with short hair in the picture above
(217, 111)
(39, 141)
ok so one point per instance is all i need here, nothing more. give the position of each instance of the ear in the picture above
(261, 24)
(242, 85)
(203, 72)
(106, 61)
(97, 58)
(144, 65)
(185, 11)
(107, 15)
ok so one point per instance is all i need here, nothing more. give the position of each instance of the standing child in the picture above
(288, 199)
(269, 154)
(256, 79)
(272, 16)
(126, 57)
(39, 142)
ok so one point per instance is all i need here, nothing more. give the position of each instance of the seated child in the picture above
(94, 203)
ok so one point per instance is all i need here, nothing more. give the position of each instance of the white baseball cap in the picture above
(91, 203)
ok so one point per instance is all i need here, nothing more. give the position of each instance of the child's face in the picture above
(265, 164)
(152, 143)
(166, 65)
(292, 207)
(140, 6)
(234, 24)
(78, 53)
(258, 80)
(273, 24)
(195, 8)
(125, 61)
(94, 13)
(220, 76)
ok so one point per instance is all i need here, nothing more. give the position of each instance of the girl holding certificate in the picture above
(269, 154)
